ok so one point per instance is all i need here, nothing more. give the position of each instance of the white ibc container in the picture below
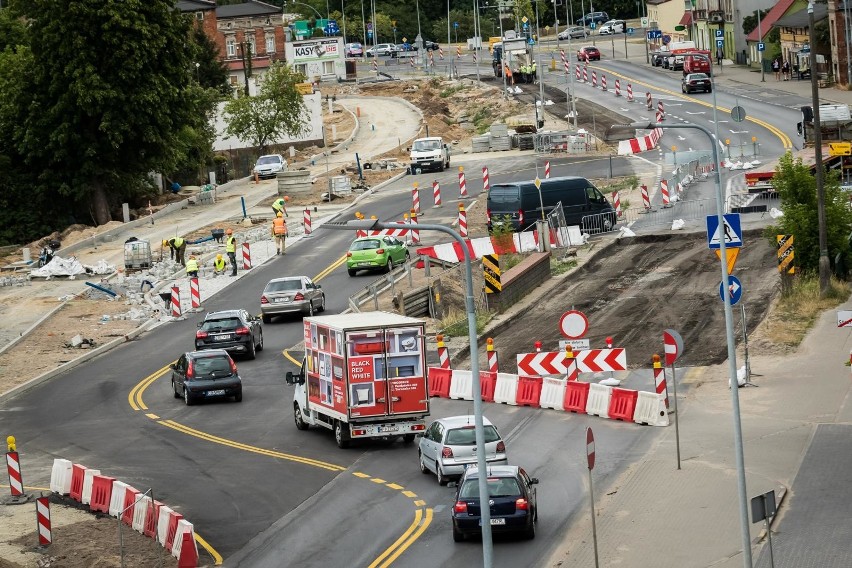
(461, 385)
(506, 389)
(598, 401)
(553, 393)
(60, 476)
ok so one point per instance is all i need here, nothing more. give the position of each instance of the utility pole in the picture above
(536, 55)
(760, 40)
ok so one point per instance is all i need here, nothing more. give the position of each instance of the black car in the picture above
(512, 498)
(199, 375)
(658, 58)
(235, 331)
(431, 45)
(696, 82)
(596, 17)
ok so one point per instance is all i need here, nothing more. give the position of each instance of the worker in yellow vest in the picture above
(219, 265)
(178, 246)
(192, 267)
(279, 232)
(231, 250)
(279, 206)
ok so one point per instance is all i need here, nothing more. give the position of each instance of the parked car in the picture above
(268, 166)
(588, 53)
(235, 331)
(658, 57)
(574, 32)
(382, 49)
(449, 445)
(612, 27)
(199, 375)
(291, 294)
(431, 45)
(375, 253)
(696, 82)
(354, 50)
(596, 17)
(512, 502)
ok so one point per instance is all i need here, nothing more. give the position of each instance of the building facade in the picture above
(318, 59)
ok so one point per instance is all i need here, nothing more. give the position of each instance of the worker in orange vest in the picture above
(279, 231)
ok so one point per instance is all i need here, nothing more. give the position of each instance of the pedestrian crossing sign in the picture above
(730, 231)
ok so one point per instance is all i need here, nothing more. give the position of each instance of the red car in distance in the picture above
(588, 53)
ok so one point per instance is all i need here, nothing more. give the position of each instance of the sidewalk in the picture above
(656, 516)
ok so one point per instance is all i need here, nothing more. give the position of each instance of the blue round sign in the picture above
(735, 289)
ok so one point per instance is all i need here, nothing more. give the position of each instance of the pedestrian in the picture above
(785, 70)
(776, 68)
(279, 232)
(231, 250)
(192, 267)
(533, 73)
(178, 246)
(279, 206)
(219, 265)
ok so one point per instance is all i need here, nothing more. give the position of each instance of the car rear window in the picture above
(209, 366)
(366, 245)
(504, 194)
(221, 324)
(284, 286)
(497, 487)
(467, 436)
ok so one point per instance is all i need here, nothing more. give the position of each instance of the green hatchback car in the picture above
(376, 253)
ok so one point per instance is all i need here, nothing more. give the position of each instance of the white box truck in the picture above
(429, 153)
(363, 375)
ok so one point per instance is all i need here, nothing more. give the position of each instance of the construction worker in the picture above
(192, 267)
(279, 206)
(178, 246)
(533, 72)
(231, 250)
(219, 265)
(279, 232)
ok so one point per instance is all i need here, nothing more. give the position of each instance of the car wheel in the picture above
(407, 256)
(710, 90)
(252, 353)
(423, 468)
(407, 438)
(186, 398)
(339, 436)
(174, 389)
(682, 89)
(458, 536)
(266, 318)
(322, 303)
(351, 272)
(239, 396)
(260, 345)
(529, 533)
(442, 479)
(390, 265)
(311, 308)
(297, 417)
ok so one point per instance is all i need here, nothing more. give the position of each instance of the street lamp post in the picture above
(760, 40)
(485, 513)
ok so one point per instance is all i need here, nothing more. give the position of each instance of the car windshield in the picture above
(221, 324)
(427, 145)
(466, 436)
(263, 160)
(284, 286)
(206, 366)
(497, 487)
(369, 244)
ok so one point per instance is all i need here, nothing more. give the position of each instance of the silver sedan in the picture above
(291, 294)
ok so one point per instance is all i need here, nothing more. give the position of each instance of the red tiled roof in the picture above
(770, 18)
(686, 20)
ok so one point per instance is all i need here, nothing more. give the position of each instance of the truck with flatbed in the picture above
(363, 375)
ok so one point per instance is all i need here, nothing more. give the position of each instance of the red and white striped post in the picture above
(45, 534)
(648, 101)
(431, 58)
(486, 185)
(660, 379)
(462, 183)
(616, 202)
(492, 356)
(547, 169)
(441, 53)
(443, 353)
(594, 78)
(603, 82)
(415, 233)
(375, 65)
(195, 292)
(307, 222)
(246, 256)
(617, 88)
(458, 52)
(176, 311)
(436, 193)
(462, 220)
(661, 113)
(664, 190)
(679, 188)
(585, 75)
(646, 201)
(412, 61)
(565, 64)
(13, 465)
(572, 372)
(415, 198)
(629, 93)
(577, 75)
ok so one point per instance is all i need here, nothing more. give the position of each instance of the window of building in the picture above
(328, 67)
(251, 41)
(232, 79)
(270, 43)
(231, 47)
(302, 68)
(199, 15)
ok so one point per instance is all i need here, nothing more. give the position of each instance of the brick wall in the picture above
(520, 279)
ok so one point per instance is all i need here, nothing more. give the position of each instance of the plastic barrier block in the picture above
(598, 403)
(187, 549)
(439, 382)
(130, 496)
(60, 476)
(487, 382)
(101, 493)
(77, 473)
(461, 386)
(171, 530)
(506, 389)
(140, 511)
(152, 515)
(576, 396)
(184, 529)
(529, 391)
(163, 517)
(552, 393)
(622, 404)
(116, 501)
(88, 475)
(651, 409)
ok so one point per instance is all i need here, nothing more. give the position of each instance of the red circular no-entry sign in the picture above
(573, 324)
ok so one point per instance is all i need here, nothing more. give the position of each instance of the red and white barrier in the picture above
(486, 185)
(603, 82)
(462, 183)
(461, 385)
(616, 203)
(597, 403)
(491, 356)
(116, 498)
(101, 498)
(648, 101)
(167, 527)
(629, 93)
(436, 193)
(415, 233)
(462, 220)
(60, 476)
(441, 53)
(664, 191)
(13, 466)
(564, 61)
(547, 169)
(246, 256)
(553, 393)
(415, 198)
(458, 52)
(88, 475)
(443, 353)
(306, 220)
(637, 145)
(506, 389)
(140, 514)
(176, 310)
(594, 78)
(399, 233)
(412, 60)
(431, 58)
(660, 385)
(375, 65)
(45, 533)
(585, 75)
(661, 113)
(131, 495)
(617, 88)
(195, 292)
(646, 200)
(587, 361)
(577, 75)
(650, 410)
(184, 548)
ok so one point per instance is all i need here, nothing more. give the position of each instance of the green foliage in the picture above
(450, 91)
(276, 111)
(750, 22)
(210, 72)
(797, 188)
(456, 324)
(558, 266)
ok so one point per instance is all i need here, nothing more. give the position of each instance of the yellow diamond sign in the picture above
(537, 182)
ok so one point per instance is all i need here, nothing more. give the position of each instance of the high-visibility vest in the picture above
(219, 263)
(279, 227)
(191, 265)
(231, 244)
(278, 204)
(178, 242)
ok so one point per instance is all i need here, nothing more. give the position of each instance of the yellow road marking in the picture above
(394, 486)
(410, 494)
(217, 558)
(377, 480)
(152, 416)
(418, 516)
(33, 488)
(420, 502)
(135, 395)
(291, 358)
(402, 548)
(361, 475)
(328, 270)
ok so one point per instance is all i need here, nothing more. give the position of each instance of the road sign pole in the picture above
(765, 497)
(676, 414)
(590, 458)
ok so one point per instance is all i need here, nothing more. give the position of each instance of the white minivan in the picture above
(612, 27)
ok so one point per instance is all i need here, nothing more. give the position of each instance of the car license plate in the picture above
(499, 521)
(388, 428)
(222, 337)
(364, 264)
(222, 391)
(281, 300)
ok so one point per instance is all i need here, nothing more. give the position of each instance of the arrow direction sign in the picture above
(844, 319)
(735, 289)
(588, 361)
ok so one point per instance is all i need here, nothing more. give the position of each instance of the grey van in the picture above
(519, 203)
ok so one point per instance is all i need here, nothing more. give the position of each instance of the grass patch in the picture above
(798, 309)
(454, 323)
(450, 91)
(558, 266)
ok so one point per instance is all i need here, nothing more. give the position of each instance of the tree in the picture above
(106, 98)
(750, 22)
(796, 186)
(209, 70)
(276, 111)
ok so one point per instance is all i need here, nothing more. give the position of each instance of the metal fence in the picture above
(561, 143)
(686, 210)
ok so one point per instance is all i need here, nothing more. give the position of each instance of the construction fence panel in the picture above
(686, 210)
